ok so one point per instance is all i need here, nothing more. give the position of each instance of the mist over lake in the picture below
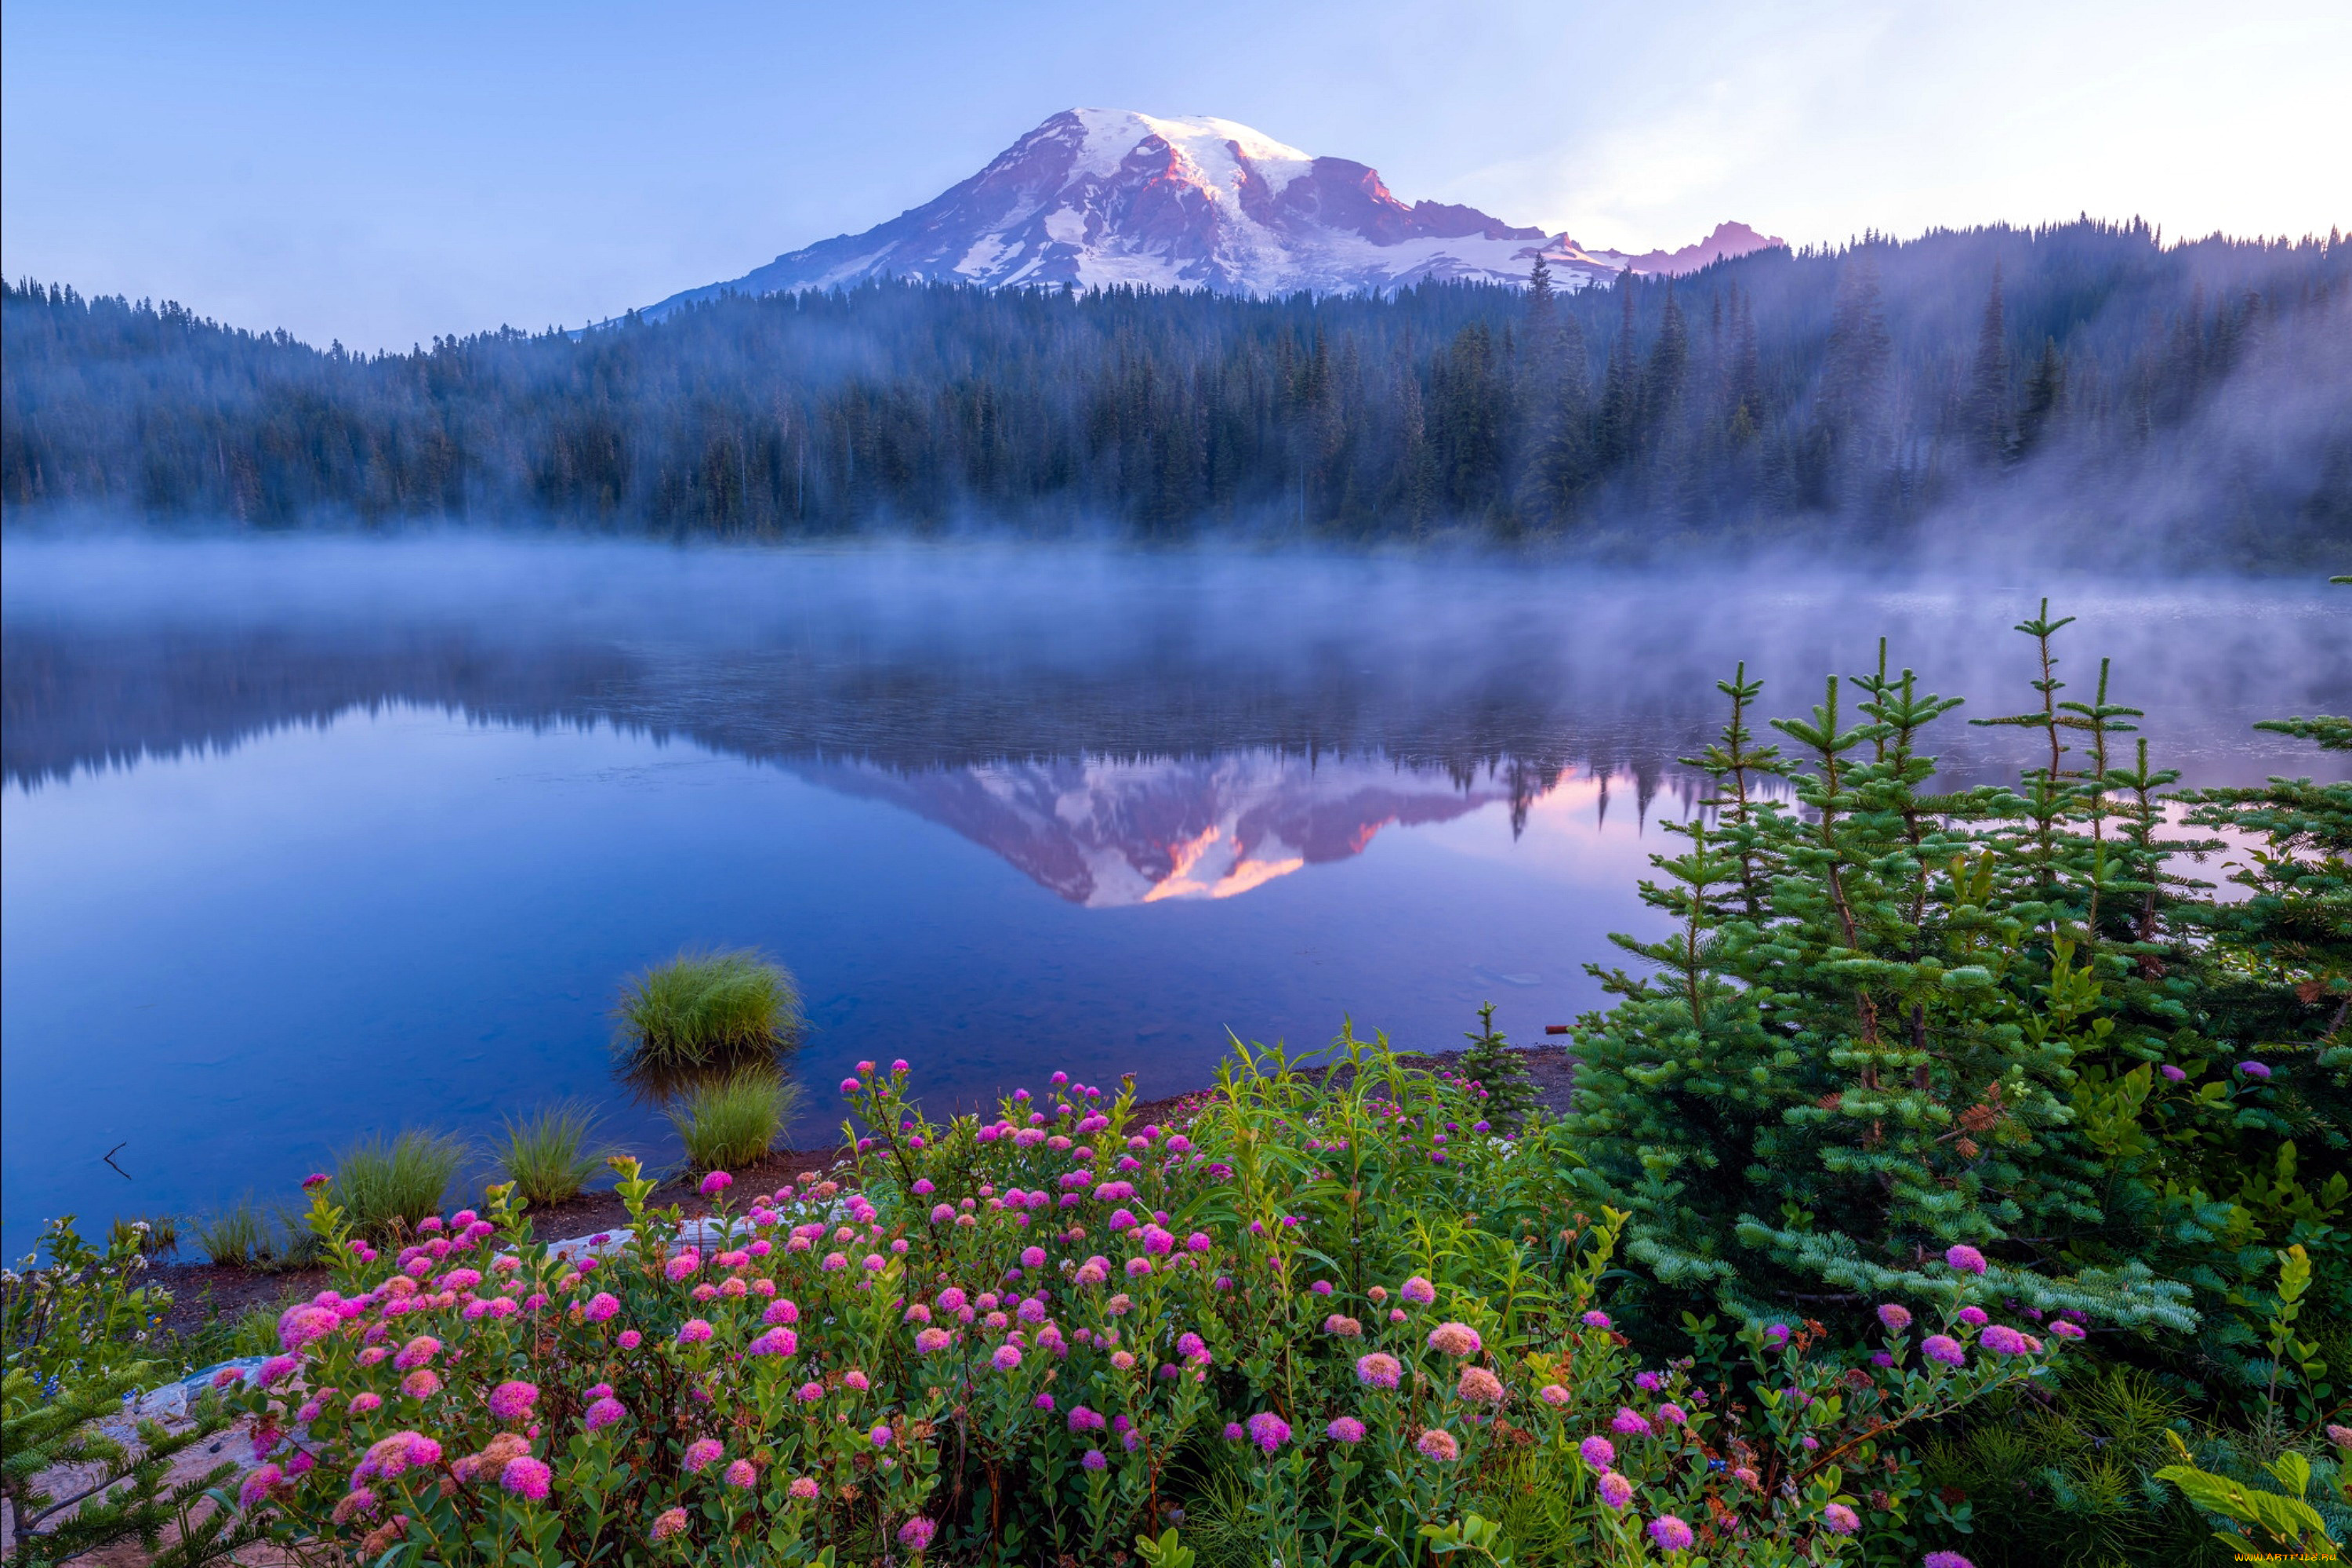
(308, 838)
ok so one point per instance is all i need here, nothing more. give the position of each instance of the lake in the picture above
(307, 838)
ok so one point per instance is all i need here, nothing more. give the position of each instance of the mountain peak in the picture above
(1100, 197)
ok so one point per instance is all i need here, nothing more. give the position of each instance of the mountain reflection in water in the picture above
(307, 838)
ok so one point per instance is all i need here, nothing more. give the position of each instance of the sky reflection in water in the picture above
(307, 839)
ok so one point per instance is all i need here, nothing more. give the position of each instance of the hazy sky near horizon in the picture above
(380, 173)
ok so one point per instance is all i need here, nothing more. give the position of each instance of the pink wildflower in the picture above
(602, 1307)
(1378, 1370)
(1945, 1349)
(1438, 1444)
(804, 1488)
(1268, 1431)
(1598, 1452)
(1964, 1258)
(1454, 1339)
(1005, 1357)
(526, 1477)
(669, 1522)
(701, 1454)
(693, 1332)
(1671, 1534)
(1418, 1290)
(603, 1413)
(1896, 1316)
(1345, 1429)
(716, 1183)
(422, 1383)
(1629, 1421)
(1616, 1490)
(1478, 1383)
(511, 1401)
(742, 1473)
(1841, 1520)
(915, 1533)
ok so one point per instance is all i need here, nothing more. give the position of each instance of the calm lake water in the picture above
(306, 840)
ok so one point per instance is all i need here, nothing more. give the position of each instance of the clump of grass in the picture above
(161, 1237)
(734, 1120)
(551, 1153)
(702, 1007)
(388, 1181)
(236, 1236)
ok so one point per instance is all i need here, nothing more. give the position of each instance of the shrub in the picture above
(702, 1007)
(1034, 1334)
(551, 1154)
(78, 1335)
(386, 1182)
(734, 1120)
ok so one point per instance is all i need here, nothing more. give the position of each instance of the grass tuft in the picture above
(701, 1007)
(734, 1120)
(551, 1154)
(401, 1179)
(234, 1236)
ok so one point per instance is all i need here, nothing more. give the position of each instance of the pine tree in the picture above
(2045, 398)
(1500, 1074)
(1987, 413)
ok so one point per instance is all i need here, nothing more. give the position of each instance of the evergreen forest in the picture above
(2087, 388)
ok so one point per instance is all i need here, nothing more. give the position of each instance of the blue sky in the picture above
(380, 173)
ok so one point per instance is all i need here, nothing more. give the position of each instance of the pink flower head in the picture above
(1673, 1416)
(417, 1352)
(1454, 1339)
(1346, 1328)
(716, 1183)
(526, 1477)
(1379, 1369)
(603, 1413)
(2173, 1074)
(363, 1402)
(512, 1400)
(1974, 1317)
(601, 1308)
(930, 1341)
(422, 1383)
(1671, 1534)
(1418, 1290)
(1896, 1316)
(849, 1086)
(1345, 1429)
(2002, 1340)
(701, 1454)
(780, 1310)
(277, 1370)
(693, 1332)
(1616, 1490)
(2066, 1330)
(1598, 1452)
(1268, 1431)
(742, 1473)
(1005, 1357)
(1629, 1421)
(1438, 1444)
(778, 1342)
(881, 1437)
(1945, 1560)
(1479, 1384)
(684, 1265)
(804, 1488)
(300, 1325)
(669, 1522)
(1964, 1258)
(1648, 1382)
(260, 1484)
(630, 1339)
(1595, 1319)
(1945, 1349)
(915, 1533)
(1093, 1459)
(1841, 1520)
(1552, 1394)
(2258, 1072)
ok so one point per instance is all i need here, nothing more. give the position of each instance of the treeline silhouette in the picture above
(1855, 391)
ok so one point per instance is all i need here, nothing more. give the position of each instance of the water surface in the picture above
(304, 839)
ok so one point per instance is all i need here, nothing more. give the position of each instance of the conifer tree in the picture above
(1988, 430)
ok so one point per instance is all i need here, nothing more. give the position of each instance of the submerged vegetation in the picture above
(704, 1007)
(1958, 1184)
(2135, 395)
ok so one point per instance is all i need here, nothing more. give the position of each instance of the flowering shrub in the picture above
(1048, 1332)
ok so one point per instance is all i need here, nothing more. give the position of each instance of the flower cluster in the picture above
(1060, 1299)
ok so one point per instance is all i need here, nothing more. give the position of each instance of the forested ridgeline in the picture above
(2083, 384)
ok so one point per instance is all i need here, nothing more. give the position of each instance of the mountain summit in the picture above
(1103, 196)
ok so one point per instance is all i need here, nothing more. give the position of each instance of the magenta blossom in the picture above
(2258, 1072)
(1616, 1490)
(693, 1332)
(1945, 1560)
(1841, 1520)
(1598, 1452)
(915, 1533)
(1671, 1534)
(1629, 1421)
(2002, 1340)
(1268, 1431)
(511, 1401)
(603, 1413)
(526, 1477)
(1945, 1349)
(1345, 1429)
(716, 1183)
(1894, 1316)
(1964, 1258)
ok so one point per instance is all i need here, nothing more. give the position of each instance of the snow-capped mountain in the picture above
(1101, 196)
(1106, 832)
